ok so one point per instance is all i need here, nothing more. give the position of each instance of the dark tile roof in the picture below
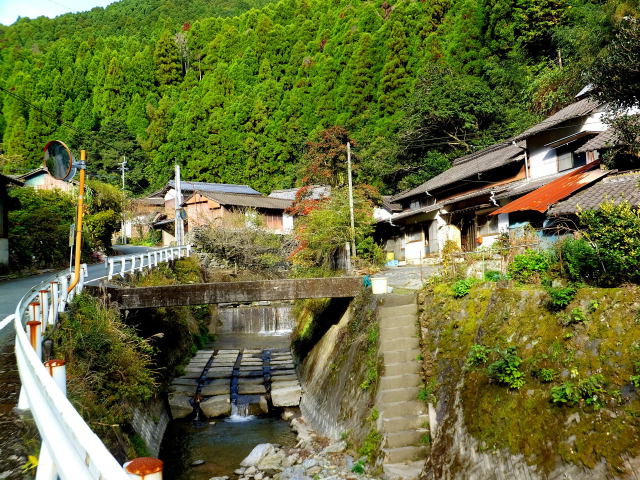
(575, 110)
(615, 187)
(188, 187)
(390, 206)
(250, 201)
(6, 179)
(464, 167)
(606, 139)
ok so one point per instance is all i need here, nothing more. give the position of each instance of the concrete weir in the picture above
(235, 381)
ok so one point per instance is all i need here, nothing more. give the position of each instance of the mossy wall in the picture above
(338, 391)
(486, 430)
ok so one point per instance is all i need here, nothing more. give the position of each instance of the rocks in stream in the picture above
(216, 406)
(180, 405)
(313, 457)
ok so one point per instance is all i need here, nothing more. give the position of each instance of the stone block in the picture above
(251, 389)
(179, 405)
(286, 397)
(216, 406)
(216, 387)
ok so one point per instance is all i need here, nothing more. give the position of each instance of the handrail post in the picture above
(123, 263)
(64, 294)
(133, 264)
(44, 307)
(141, 267)
(46, 467)
(53, 319)
(110, 273)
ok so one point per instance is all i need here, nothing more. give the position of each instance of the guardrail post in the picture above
(58, 371)
(53, 316)
(63, 292)
(80, 285)
(124, 262)
(140, 268)
(188, 250)
(35, 329)
(133, 264)
(46, 467)
(144, 468)
(44, 307)
(110, 273)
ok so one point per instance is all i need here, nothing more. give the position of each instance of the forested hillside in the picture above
(236, 99)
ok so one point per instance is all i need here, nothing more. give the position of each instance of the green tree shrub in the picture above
(615, 230)
(589, 391)
(39, 223)
(578, 260)
(462, 287)
(505, 367)
(529, 266)
(560, 297)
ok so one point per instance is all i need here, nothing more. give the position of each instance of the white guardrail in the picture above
(70, 450)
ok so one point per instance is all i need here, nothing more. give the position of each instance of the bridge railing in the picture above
(70, 450)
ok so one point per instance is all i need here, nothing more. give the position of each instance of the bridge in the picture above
(230, 292)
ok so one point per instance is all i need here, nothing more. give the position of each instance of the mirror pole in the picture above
(76, 278)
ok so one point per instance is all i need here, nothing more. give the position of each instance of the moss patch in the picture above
(525, 421)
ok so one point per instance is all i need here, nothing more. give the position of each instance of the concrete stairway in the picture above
(403, 419)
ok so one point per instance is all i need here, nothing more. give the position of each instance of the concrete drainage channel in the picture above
(236, 383)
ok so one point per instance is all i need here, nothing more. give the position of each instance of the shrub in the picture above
(560, 297)
(545, 375)
(578, 260)
(369, 250)
(101, 227)
(576, 316)
(635, 379)
(462, 287)
(615, 230)
(506, 369)
(527, 267)
(589, 391)
(39, 223)
(493, 276)
(478, 355)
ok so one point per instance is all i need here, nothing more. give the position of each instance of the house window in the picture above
(414, 235)
(487, 225)
(567, 158)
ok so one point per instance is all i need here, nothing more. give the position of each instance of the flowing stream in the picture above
(223, 443)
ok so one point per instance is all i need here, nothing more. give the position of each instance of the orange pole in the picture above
(83, 158)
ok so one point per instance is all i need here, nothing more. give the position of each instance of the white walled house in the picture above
(472, 202)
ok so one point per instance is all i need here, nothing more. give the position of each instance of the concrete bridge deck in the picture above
(230, 292)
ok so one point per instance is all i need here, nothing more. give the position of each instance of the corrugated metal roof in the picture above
(614, 187)
(541, 199)
(465, 167)
(212, 187)
(606, 139)
(523, 186)
(251, 201)
(317, 192)
(575, 110)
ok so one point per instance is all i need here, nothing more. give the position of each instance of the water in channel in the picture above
(222, 443)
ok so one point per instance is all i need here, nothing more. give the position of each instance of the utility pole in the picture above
(123, 168)
(353, 228)
(179, 222)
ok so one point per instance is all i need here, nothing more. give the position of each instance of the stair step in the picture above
(394, 300)
(403, 471)
(398, 310)
(406, 422)
(405, 438)
(390, 343)
(388, 382)
(398, 321)
(399, 332)
(400, 409)
(404, 454)
(398, 395)
(400, 356)
(400, 368)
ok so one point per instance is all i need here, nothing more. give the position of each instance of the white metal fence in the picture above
(70, 450)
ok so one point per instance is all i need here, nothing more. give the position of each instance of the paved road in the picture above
(11, 291)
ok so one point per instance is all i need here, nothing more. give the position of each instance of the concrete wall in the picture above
(151, 424)
(4, 251)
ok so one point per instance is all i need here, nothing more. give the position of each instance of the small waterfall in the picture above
(239, 405)
(273, 319)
